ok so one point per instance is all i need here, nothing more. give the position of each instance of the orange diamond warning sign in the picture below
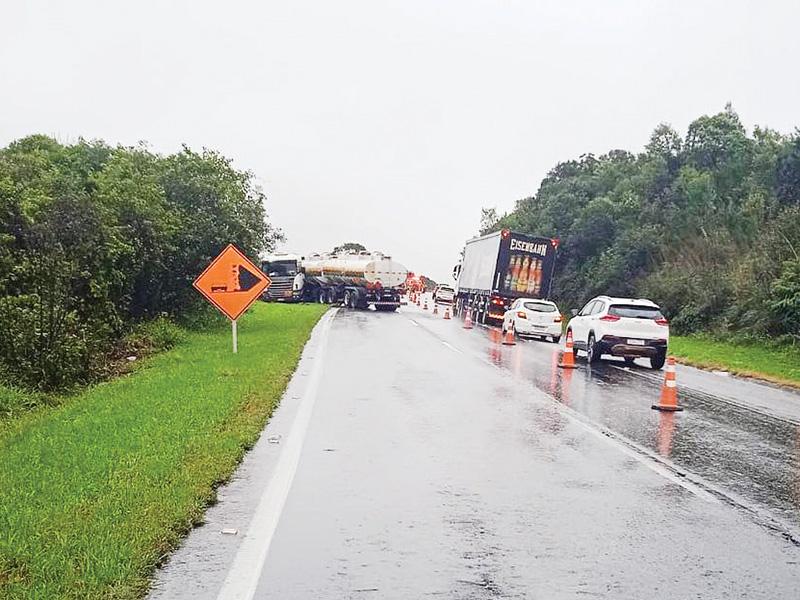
(232, 282)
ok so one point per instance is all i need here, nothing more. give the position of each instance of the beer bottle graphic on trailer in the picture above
(538, 277)
(531, 289)
(515, 264)
(509, 270)
(524, 274)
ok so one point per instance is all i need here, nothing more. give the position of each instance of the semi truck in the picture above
(354, 279)
(499, 267)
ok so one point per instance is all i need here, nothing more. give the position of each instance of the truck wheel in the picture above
(323, 296)
(331, 296)
(592, 350)
(348, 299)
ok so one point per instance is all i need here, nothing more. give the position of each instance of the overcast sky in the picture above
(392, 122)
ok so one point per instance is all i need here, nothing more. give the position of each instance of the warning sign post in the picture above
(232, 283)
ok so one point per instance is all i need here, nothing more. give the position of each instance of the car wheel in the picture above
(556, 339)
(592, 350)
(657, 361)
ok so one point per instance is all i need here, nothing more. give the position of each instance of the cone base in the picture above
(509, 343)
(566, 366)
(667, 407)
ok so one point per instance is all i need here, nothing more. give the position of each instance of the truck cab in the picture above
(286, 273)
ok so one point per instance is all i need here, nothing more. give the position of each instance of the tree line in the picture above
(707, 224)
(95, 239)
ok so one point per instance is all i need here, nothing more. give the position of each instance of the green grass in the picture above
(776, 364)
(95, 491)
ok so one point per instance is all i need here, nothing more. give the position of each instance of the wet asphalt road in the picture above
(439, 463)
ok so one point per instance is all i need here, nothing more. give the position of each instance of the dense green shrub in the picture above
(94, 239)
(159, 334)
(709, 227)
(785, 301)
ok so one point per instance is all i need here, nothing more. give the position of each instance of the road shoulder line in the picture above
(243, 576)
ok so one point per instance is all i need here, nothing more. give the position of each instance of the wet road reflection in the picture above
(755, 456)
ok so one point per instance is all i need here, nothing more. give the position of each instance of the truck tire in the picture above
(348, 299)
(322, 296)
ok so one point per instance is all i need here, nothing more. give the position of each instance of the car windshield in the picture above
(634, 311)
(445, 289)
(280, 269)
(540, 307)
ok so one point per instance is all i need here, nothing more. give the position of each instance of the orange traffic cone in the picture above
(468, 319)
(426, 305)
(568, 356)
(669, 391)
(447, 313)
(435, 308)
(509, 340)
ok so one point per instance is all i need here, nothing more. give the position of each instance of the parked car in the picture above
(443, 294)
(529, 316)
(626, 327)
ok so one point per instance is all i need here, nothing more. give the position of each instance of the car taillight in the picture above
(558, 319)
(662, 321)
(497, 300)
(522, 315)
(610, 318)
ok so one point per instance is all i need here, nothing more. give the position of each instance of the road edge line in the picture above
(244, 574)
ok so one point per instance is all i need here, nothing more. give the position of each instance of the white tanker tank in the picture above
(357, 280)
(363, 270)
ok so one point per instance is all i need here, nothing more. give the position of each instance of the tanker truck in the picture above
(356, 280)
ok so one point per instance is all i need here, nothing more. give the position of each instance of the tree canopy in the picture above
(94, 238)
(349, 247)
(708, 225)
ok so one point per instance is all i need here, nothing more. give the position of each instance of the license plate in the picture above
(538, 326)
(636, 342)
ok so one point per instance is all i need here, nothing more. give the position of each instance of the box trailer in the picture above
(500, 267)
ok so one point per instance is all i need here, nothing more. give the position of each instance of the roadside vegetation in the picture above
(778, 363)
(96, 240)
(707, 225)
(96, 489)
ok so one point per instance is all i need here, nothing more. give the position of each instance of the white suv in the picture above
(621, 327)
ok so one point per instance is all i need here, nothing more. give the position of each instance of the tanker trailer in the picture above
(355, 280)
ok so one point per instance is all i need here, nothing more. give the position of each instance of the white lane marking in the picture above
(453, 348)
(245, 572)
(414, 323)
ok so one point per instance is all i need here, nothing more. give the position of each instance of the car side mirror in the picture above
(573, 312)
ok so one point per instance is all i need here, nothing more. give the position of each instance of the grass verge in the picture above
(96, 491)
(778, 365)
